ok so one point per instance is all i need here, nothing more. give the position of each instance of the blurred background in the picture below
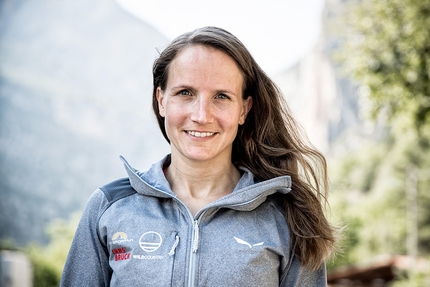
(75, 93)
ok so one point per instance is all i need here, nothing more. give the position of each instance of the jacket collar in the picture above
(246, 196)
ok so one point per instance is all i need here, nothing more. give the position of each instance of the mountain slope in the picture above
(75, 92)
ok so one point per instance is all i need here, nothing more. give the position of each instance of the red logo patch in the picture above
(121, 253)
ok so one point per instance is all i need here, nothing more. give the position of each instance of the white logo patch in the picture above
(150, 241)
(241, 241)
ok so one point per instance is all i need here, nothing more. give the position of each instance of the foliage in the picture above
(44, 271)
(414, 278)
(386, 47)
(48, 261)
(369, 197)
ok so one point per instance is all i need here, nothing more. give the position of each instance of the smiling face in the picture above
(202, 104)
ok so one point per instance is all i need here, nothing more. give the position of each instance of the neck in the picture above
(196, 177)
(199, 183)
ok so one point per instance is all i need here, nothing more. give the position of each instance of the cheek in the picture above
(229, 122)
(174, 117)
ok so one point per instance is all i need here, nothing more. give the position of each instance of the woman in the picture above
(238, 202)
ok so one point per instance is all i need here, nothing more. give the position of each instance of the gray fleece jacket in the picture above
(136, 232)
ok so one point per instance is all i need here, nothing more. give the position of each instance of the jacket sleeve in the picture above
(87, 263)
(298, 275)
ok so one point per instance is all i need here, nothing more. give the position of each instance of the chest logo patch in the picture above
(241, 241)
(121, 253)
(120, 237)
(150, 241)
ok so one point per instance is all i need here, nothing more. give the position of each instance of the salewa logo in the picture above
(240, 241)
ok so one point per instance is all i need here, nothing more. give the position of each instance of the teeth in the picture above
(199, 134)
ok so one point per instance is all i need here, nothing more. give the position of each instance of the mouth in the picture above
(200, 134)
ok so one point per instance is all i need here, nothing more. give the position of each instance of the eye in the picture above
(184, 93)
(222, 96)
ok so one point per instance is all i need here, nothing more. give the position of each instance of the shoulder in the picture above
(107, 194)
(117, 189)
(103, 198)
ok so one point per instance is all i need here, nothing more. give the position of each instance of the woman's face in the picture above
(203, 104)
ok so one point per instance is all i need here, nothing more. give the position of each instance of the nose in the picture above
(202, 111)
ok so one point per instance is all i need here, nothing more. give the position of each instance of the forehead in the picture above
(204, 61)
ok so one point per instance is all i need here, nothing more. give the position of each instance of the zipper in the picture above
(196, 239)
(195, 242)
(194, 249)
(196, 236)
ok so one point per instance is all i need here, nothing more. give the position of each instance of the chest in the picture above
(161, 245)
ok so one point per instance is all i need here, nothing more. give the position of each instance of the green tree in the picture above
(384, 45)
(387, 48)
(414, 278)
(48, 261)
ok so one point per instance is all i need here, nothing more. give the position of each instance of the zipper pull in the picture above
(172, 251)
(196, 236)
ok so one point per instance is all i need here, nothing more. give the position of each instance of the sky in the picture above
(278, 33)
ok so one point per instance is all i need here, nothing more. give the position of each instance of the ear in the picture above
(246, 107)
(160, 98)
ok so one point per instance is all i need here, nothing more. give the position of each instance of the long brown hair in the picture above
(270, 143)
